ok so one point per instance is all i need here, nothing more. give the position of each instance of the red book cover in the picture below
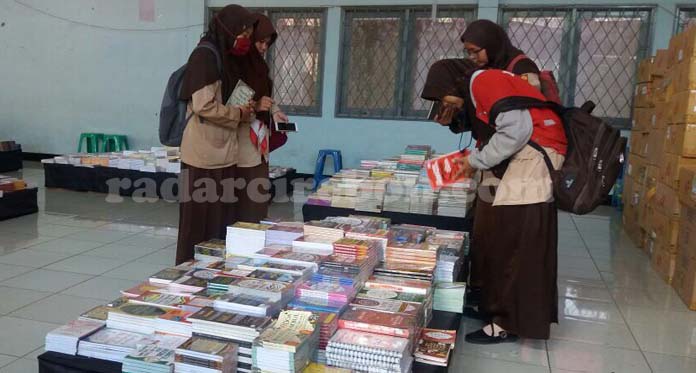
(393, 324)
(442, 170)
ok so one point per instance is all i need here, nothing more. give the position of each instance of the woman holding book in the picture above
(257, 138)
(516, 227)
(209, 144)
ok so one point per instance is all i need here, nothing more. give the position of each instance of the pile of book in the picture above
(275, 172)
(423, 198)
(344, 192)
(449, 297)
(435, 346)
(413, 157)
(284, 233)
(325, 230)
(149, 359)
(312, 246)
(245, 238)
(114, 344)
(8, 146)
(450, 255)
(254, 305)
(288, 344)
(322, 197)
(397, 197)
(456, 200)
(65, 338)
(210, 251)
(11, 184)
(175, 322)
(136, 318)
(369, 352)
(206, 355)
(157, 159)
(371, 195)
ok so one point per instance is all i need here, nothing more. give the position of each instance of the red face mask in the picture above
(241, 47)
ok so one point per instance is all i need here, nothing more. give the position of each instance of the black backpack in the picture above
(173, 119)
(594, 158)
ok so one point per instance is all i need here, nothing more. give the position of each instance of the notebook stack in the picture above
(288, 345)
(174, 322)
(206, 355)
(369, 352)
(65, 338)
(247, 304)
(456, 200)
(210, 251)
(136, 318)
(246, 238)
(449, 297)
(371, 195)
(149, 359)
(284, 233)
(435, 346)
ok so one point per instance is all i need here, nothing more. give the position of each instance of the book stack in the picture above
(141, 289)
(371, 321)
(423, 198)
(317, 305)
(287, 278)
(310, 246)
(300, 258)
(388, 287)
(386, 305)
(136, 318)
(408, 249)
(434, 346)
(449, 297)
(192, 282)
(65, 338)
(330, 292)
(167, 276)
(323, 368)
(247, 304)
(382, 294)
(268, 264)
(450, 256)
(11, 184)
(8, 145)
(273, 290)
(288, 345)
(174, 322)
(371, 195)
(325, 230)
(111, 344)
(322, 197)
(382, 269)
(328, 325)
(210, 251)
(206, 355)
(456, 200)
(165, 301)
(345, 188)
(246, 238)
(284, 233)
(369, 352)
(397, 196)
(413, 157)
(221, 283)
(149, 359)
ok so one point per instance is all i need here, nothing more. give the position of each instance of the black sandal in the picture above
(480, 337)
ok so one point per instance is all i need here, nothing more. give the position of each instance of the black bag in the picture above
(594, 158)
(173, 119)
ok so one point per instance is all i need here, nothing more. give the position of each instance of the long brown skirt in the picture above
(518, 263)
(205, 209)
(253, 201)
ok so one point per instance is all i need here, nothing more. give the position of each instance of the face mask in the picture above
(241, 47)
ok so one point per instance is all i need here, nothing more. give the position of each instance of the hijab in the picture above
(449, 77)
(202, 68)
(255, 69)
(490, 36)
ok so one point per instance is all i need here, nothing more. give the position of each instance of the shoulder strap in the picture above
(211, 47)
(514, 61)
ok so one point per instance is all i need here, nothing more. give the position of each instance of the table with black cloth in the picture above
(315, 212)
(96, 179)
(11, 160)
(18, 203)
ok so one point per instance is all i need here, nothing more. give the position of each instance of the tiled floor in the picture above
(616, 313)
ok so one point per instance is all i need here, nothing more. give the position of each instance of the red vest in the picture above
(489, 86)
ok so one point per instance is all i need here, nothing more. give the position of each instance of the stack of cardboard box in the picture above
(659, 193)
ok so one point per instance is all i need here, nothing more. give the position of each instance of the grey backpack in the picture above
(173, 119)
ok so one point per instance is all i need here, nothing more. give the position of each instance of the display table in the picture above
(54, 362)
(96, 179)
(11, 160)
(315, 212)
(18, 203)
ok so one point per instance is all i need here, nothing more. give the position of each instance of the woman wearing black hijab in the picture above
(209, 144)
(487, 44)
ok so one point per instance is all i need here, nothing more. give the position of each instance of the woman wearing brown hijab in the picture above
(209, 145)
(254, 138)
(487, 44)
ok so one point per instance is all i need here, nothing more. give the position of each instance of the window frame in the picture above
(570, 52)
(401, 110)
(271, 12)
(680, 16)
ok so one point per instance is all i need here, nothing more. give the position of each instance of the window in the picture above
(686, 16)
(296, 58)
(593, 52)
(386, 54)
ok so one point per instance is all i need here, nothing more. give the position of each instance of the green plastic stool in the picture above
(91, 141)
(114, 143)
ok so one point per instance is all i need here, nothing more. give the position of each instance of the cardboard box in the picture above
(642, 119)
(661, 116)
(643, 95)
(665, 229)
(685, 75)
(686, 42)
(682, 107)
(669, 172)
(684, 282)
(645, 210)
(680, 139)
(651, 179)
(664, 263)
(661, 62)
(637, 168)
(666, 199)
(639, 142)
(645, 70)
(687, 186)
(686, 239)
(655, 147)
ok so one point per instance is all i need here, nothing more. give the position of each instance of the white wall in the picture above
(60, 78)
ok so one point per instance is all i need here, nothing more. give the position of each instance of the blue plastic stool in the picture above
(321, 159)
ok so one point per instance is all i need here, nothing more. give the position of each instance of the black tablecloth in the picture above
(314, 212)
(53, 362)
(21, 202)
(11, 160)
(96, 179)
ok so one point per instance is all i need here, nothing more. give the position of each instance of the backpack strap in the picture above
(514, 62)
